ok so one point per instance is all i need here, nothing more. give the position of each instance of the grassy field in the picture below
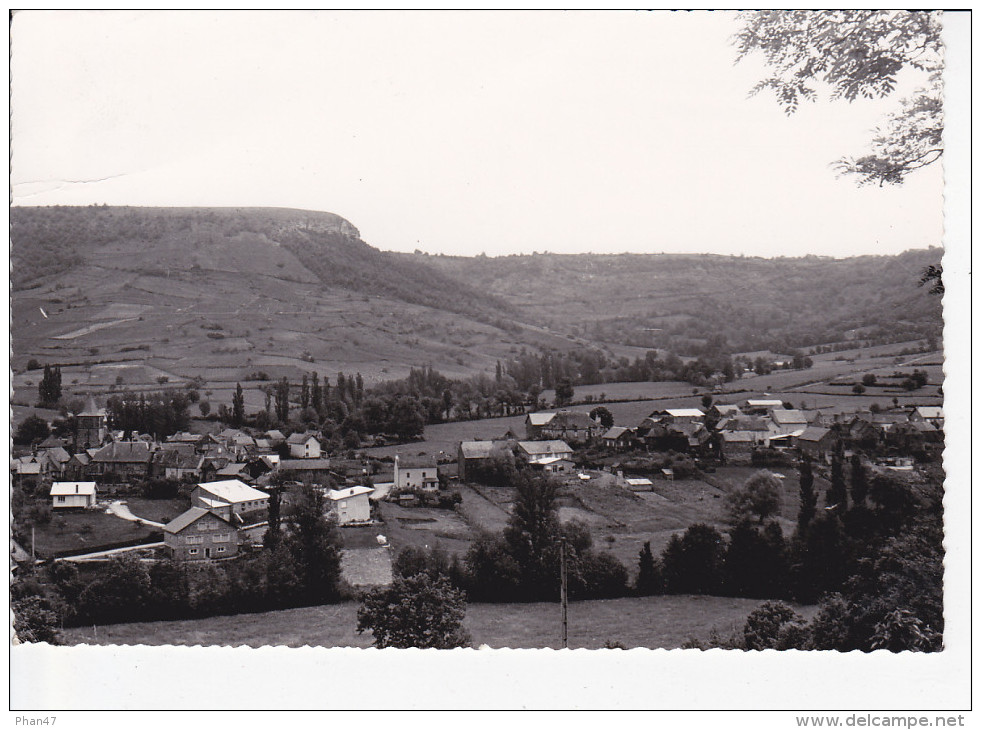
(88, 529)
(652, 622)
(157, 510)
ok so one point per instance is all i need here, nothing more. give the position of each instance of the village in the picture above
(217, 486)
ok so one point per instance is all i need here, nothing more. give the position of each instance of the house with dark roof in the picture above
(618, 438)
(573, 427)
(816, 441)
(315, 471)
(416, 473)
(201, 534)
(304, 446)
(786, 421)
(77, 465)
(121, 461)
(177, 464)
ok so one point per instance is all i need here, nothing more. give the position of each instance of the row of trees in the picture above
(158, 414)
(873, 557)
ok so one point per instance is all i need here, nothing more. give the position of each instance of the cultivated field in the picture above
(652, 622)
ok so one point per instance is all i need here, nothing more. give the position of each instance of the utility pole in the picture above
(564, 595)
(32, 544)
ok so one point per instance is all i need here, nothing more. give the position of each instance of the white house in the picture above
(351, 504)
(304, 446)
(228, 497)
(416, 474)
(73, 494)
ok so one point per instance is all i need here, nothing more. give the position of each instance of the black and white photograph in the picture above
(589, 333)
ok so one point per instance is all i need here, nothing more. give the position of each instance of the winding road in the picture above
(121, 510)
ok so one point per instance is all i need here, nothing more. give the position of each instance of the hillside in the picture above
(679, 301)
(137, 295)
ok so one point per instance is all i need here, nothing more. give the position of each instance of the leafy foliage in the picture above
(765, 625)
(416, 611)
(761, 496)
(32, 429)
(857, 54)
(694, 562)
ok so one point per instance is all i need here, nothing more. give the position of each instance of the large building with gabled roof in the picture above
(201, 534)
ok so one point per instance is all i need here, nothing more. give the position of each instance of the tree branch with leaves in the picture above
(857, 54)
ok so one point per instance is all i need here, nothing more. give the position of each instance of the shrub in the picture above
(418, 611)
(763, 626)
(603, 576)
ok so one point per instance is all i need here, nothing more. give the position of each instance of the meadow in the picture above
(652, 622)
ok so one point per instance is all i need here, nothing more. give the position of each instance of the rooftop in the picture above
(233, 491)
(337, 494)
(540, 419)
(189, 518)
(545, 447)
(66, 488)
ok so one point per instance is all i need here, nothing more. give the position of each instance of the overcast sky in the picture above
(458, 133)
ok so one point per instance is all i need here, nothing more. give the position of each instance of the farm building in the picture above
(934, 415)
(724, 410)
(304, 446)
(618, 438)
(637, 484)
(416, 474)
(570, 426)
(473, 455)
(77, 495)
(534, 423)
(536, 451)
(816, 441)
(742, 442)
(785, 420)
(760, 406)
(678, 415)
(553, 465)
(306, 470)
(351, 504)
(235, 470)
(229, 497)
(201, 534)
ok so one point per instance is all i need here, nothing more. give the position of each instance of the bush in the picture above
(764, 625)
(418, 611)
(603, 576)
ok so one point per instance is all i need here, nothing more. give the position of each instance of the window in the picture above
(204, 526)
(194, 540)
(343, 505)
(220, 550)
(192, 551)
(220, 538)
(61, 499)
